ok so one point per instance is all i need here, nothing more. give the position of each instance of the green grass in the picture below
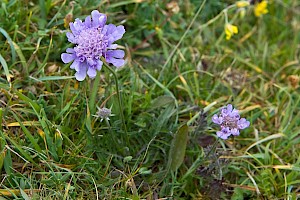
(180, 70)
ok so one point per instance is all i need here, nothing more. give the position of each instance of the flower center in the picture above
(229, 122)
(92, 44)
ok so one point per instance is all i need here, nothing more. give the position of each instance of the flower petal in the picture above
(73, 29)
(216, 119)
(99, 19)
(116, 62)
(92, 72)
(113, 55)
(222, 135)
(108, 29)
(66, 57)
(116, 53)
(235, 29)
(71, 37)
(75, 65)
(90, 61)
(227, 110)
(81, 74)
(112, 46)
(119, 32)
(70, 50)
(243, 123)
(235, 114)
(114, 33)
(235, 132)
(78, 25)
(88, 22)
(99, 65)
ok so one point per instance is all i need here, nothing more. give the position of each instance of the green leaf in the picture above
(178, 147)
(162, 101)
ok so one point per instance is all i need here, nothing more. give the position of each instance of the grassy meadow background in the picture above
(179, 71)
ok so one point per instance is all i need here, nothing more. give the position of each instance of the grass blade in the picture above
(11, 44)
(28, 101)
(22, 58)
(5, 67)
(271, 137)
(54, 78)
(28, 134)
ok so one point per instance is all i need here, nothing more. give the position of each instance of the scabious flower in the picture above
(93, 40)
(261, 8)
(230, 122)
(230, 30)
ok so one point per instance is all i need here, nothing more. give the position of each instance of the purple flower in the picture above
(230, 122)
(93, 40)
(224, 133)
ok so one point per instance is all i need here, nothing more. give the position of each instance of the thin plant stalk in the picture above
(108, 125)
(119, 99)
(112, 136)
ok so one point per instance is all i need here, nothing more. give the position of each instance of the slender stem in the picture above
(108, 125)
(119, 99)
(112, 137)
(93, 95)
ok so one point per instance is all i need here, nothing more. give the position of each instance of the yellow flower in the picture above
(230, 30)
(241, 4)
(261, 8)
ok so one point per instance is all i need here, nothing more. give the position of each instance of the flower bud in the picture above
(241, 4)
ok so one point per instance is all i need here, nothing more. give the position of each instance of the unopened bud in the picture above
(241, 4)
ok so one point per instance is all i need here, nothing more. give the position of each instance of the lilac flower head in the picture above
(230, 122)
(93, 40)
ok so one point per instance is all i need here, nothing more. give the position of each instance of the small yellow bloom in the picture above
(230, 30)
(41, 133)
(261, 8)
(241, 4)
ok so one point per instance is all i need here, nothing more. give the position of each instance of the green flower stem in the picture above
(108, 125)
(93, 95)
(112, 137)
(119, 99)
